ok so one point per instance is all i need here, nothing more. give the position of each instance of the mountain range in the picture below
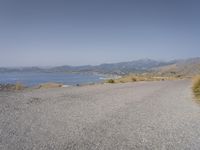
(183, 67)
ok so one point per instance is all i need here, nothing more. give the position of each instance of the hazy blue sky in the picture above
(79, 32)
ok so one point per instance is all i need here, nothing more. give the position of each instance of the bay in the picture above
(35, 78)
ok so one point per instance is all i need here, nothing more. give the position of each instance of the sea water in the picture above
(35, 78)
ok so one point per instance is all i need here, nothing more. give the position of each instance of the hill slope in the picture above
(187, 67)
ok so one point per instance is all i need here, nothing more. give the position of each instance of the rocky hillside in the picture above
(187, 67)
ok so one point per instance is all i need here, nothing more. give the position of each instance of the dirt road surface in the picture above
(143, 115)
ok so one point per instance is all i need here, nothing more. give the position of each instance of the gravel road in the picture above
(143, 115)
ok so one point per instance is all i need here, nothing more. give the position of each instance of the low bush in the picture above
(134, 79)
(111, 81)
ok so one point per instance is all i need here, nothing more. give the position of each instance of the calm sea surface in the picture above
(31, 79)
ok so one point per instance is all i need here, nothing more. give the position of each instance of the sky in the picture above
(82, 32)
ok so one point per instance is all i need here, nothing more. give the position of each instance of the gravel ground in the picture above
(144, 115)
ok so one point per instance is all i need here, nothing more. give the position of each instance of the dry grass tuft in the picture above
(12, 87)
(196, 86)
(19, 86)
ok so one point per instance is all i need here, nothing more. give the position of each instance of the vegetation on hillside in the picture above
(141, 77)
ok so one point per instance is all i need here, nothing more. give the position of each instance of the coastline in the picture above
(35, 79)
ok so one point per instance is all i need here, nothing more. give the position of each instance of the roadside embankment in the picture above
(196, 86)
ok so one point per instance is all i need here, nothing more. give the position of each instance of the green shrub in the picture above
(111, 81)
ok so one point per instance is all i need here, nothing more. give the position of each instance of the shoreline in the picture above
(11, 86)
(54, 85)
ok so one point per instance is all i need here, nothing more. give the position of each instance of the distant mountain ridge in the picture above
(121, 68)
(181, 67)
